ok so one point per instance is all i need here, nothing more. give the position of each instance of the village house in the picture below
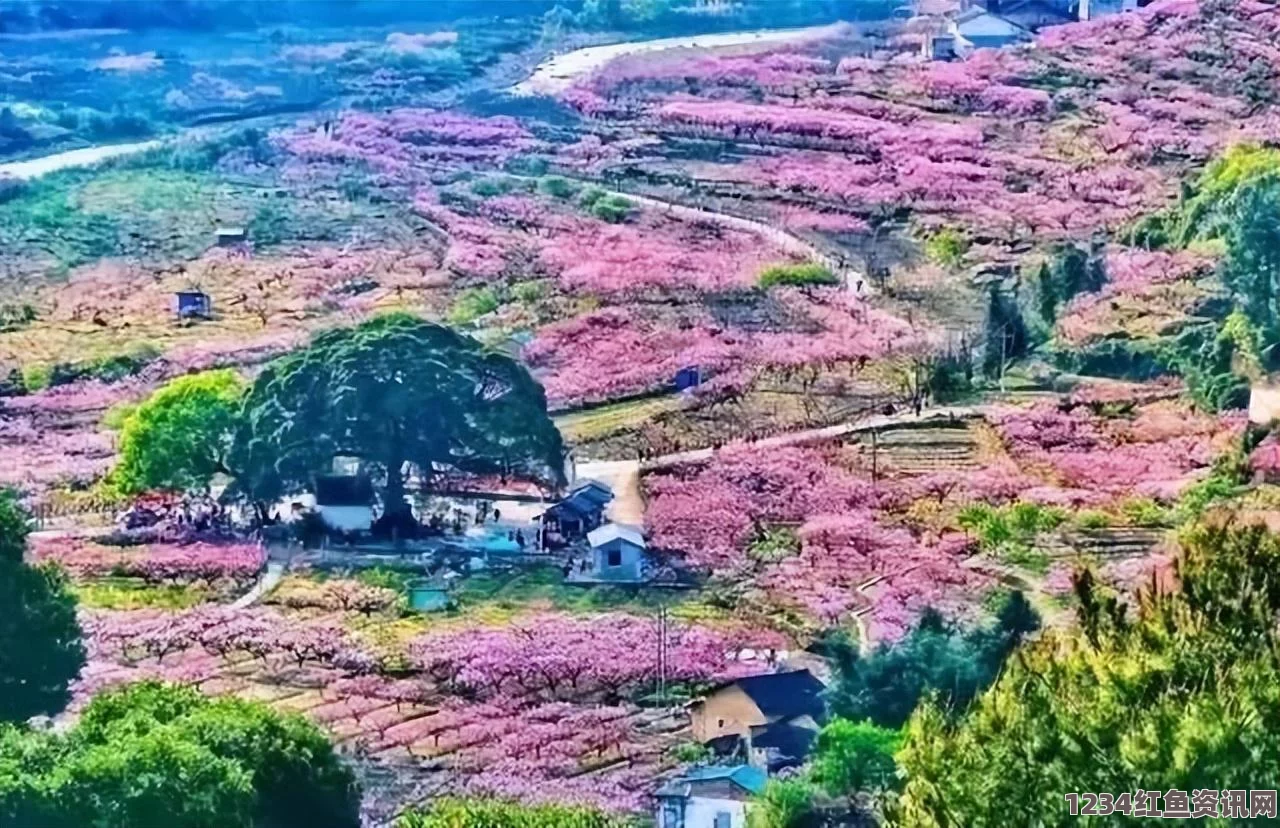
(709, 797)
(578, 512)
(345, 502)
(978, 28)
(734, 708)
(617, 553)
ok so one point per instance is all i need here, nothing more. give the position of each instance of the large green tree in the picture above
(1184, 694)
(885, 686)
(156, 755)
(1252, 269)
(40, 648)
(181, 435)
(849, 757)
(401, 394)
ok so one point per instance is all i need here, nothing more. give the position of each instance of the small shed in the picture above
(345, 502)
(617, 553)
(228, 236)
(194, 304)
(688, 377)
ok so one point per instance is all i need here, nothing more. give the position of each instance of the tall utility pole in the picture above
(662, 652)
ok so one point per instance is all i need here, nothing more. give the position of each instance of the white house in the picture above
(344, 502)
(617, 553)
(977, 28)
(709, 797)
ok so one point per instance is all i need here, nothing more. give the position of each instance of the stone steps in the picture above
(1106, 542)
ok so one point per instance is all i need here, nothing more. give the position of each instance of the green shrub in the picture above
(558, 187)
(947, 247)
(473, 304)
(499, 813)
(797, 275)
(614, 209)
(36, 377)
(498, 185)
(590, 196)
(1092, 519)
(528, 293)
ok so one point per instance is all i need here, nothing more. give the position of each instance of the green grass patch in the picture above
(131, 594)
(797, 275)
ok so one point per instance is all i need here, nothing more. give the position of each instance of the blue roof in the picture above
(745, 776)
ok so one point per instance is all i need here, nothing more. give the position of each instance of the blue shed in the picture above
(688, 377)
(193, 303)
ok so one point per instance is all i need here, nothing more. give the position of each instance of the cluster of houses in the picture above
(993, 24)
(756, 727)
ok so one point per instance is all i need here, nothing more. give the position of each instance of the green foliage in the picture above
(497, 813)
(1210, 359)
(528, 293)
(383, 577)
(688, 753)
(40, 649)
(884, 687)
(16, 317)
(797, 275)
(1131, 359)
(774, 544)
(947, 247)
(1252, 267)
(1146, 512)
(36, 377)
(1181, 695)
(394, 390)
(498, 185)
(854, 756)
(1207, 212)
(269, 225)
(151, 754)
(473, 304)
(1010, 532)
(15, 525)
(180, 436)
(612, 208)
(1006, 337)
(785, 803)
(558, 187)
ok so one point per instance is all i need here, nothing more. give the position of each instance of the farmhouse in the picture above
(977, 28)
(734, 708)
(345, 502)
(709, 797)
(228, 236)
(617, 553)
(580, 511)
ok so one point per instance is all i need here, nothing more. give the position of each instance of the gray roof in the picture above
(978, 22)
(613, 531)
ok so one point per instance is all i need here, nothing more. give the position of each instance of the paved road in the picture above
(623, 476)
(558, 72)
(269, 581)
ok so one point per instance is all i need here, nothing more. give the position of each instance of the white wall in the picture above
(700, 812)
(347, 518)
(1264, 404)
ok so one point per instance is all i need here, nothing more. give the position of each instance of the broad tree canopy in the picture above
(398, 393)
